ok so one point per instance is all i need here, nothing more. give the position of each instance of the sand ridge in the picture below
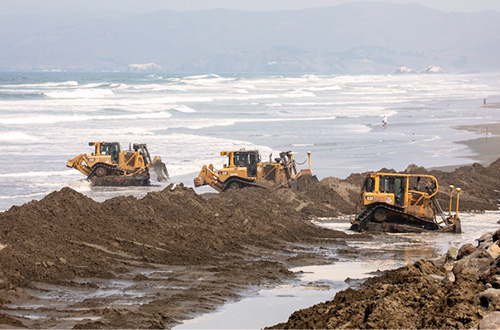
(188, 253)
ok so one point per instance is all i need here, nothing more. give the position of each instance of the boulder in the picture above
(495, 281)
(437, 278)
(490, 321)
(485, 239)
(452, 254)
(496, 235)
(466, 250)
(473, 266)
(489, 299)
(494, 250)
(449, 278)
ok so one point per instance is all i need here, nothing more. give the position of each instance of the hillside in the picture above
(350, 38)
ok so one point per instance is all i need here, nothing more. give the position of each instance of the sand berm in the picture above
(212, 247)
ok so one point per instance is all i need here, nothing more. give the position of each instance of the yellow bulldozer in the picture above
(244, 168)
(108, 165)
(394, 202)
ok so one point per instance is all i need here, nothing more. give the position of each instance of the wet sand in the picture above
(486, 147)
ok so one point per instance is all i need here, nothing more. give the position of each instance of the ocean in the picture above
(47, 118)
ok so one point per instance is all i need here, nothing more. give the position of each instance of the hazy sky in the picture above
(70, 6)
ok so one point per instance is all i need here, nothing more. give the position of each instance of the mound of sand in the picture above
(68, 235)
(243, 237)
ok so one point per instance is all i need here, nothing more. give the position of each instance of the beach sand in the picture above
(487, 147)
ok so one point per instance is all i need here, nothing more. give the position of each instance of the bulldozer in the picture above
(108, 165)
(244, 168)
(394, 202)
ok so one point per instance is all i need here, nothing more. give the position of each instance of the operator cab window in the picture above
(104, 149)
(369, 184)
(115, 150)
(240, 160)
(386, 184)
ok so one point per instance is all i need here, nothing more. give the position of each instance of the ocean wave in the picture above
(17, 137)
(44, 119)
(23, 196)
(299, 93)
(80, 93)
(324, 88)
(43, 85)
(34, 174)
(31, 95)
(207, 79)
(302, 144)
(203, 76)
(241, 91)
(183, 108)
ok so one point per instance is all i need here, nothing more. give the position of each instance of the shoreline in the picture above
(485, 148)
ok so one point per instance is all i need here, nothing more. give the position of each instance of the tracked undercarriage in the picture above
(394, 220)
(109, 166)
(399, 203)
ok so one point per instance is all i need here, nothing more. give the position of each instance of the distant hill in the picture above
(350, 38)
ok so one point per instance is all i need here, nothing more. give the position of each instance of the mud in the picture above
(458, 290)
(68, 261)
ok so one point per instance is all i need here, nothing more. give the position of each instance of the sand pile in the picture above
(68, 235)
(459, 290)
(229, 241)
(332, 196)
(479, 184)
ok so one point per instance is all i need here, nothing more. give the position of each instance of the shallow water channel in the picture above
(315, 284)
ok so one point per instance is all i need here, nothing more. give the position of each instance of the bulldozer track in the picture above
(241, 184)
(405, 219)
(110, 170)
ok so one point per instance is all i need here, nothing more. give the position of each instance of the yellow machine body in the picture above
(244, 168)
(407, 199)
(108, 164)
(406, 191)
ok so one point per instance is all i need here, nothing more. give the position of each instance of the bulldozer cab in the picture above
(404, 200)
(111, 149)
(402, 190)
(243, 158)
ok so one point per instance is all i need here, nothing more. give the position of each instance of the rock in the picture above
(439, 260)
(449, 278)
(490, 321)
(486, 238)
(452, 254)
(495, 281)
(496, 235)
(466, 250)
(432, 69)
(437, 278)
(403, 70)
(448, 267)
(494, 250)
(489, 299)
(474, 266)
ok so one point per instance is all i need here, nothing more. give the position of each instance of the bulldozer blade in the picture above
(160, 169)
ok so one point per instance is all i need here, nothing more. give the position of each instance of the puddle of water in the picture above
(390, 251)
(315, 284)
